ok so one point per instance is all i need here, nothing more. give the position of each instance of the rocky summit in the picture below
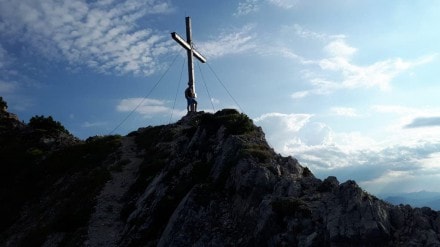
(207, 180)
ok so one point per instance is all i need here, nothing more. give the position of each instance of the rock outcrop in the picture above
(208, 180)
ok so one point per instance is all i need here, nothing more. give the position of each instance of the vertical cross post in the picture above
(190, 54)
(190, 51)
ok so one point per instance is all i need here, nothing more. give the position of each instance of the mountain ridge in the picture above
(207, 180)
(415, 199)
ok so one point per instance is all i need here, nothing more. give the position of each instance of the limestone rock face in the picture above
(212, 180)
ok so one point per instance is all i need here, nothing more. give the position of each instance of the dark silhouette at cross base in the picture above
(190, 99)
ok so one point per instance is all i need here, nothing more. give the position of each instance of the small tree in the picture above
(3, 104)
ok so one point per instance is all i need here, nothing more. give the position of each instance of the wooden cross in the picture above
(189, 51)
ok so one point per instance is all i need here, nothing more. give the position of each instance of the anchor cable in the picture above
(148, 94)
(206, 87)
(230, 95)
(177, 92)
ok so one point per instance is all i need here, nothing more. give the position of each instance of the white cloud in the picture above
(396, 109)
(344, 111)
(215, 101)
(143, 106)
(432, 162)
(102, 35)
(93, 124)
(150, 107)
(338, 71)
(309, 34)
(285, 4)
(352, 155)
(291, 122)
(227, 43)
(379, 74)
(338, 48)
(246, 7)
(320, 87)
(300, 94)
(281, 129)
(414, 122)
(283, 51)
(405, 110)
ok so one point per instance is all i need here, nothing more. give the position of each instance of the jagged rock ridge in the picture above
(212, 180)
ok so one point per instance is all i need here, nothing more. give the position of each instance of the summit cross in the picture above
(190, 51)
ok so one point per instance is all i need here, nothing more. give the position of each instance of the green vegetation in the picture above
(235, 123)
(306, 172)
(46, 124)
(261, 152)
(82, 156)
(150, 136)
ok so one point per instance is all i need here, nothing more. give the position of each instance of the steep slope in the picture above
(49, 181)
(212, 180)
(207, 180)
(105, 223)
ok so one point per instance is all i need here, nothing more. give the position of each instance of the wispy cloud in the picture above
(101, 35)
(309, 34)
(344, 111)
(285, 4)
(320, 87)
(229, 42)
(337, 71)
(7, 87)
(300, 94)
(396, 109)
(148, 107)
(94, 124)
(379, 74)
(246, 7)
(3, 57)
(143, 106)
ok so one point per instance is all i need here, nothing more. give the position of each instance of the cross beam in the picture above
(185, 45)
(191, 52)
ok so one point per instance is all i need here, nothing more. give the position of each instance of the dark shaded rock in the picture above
(212, 180)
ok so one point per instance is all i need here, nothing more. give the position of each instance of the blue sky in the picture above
(349, 88)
